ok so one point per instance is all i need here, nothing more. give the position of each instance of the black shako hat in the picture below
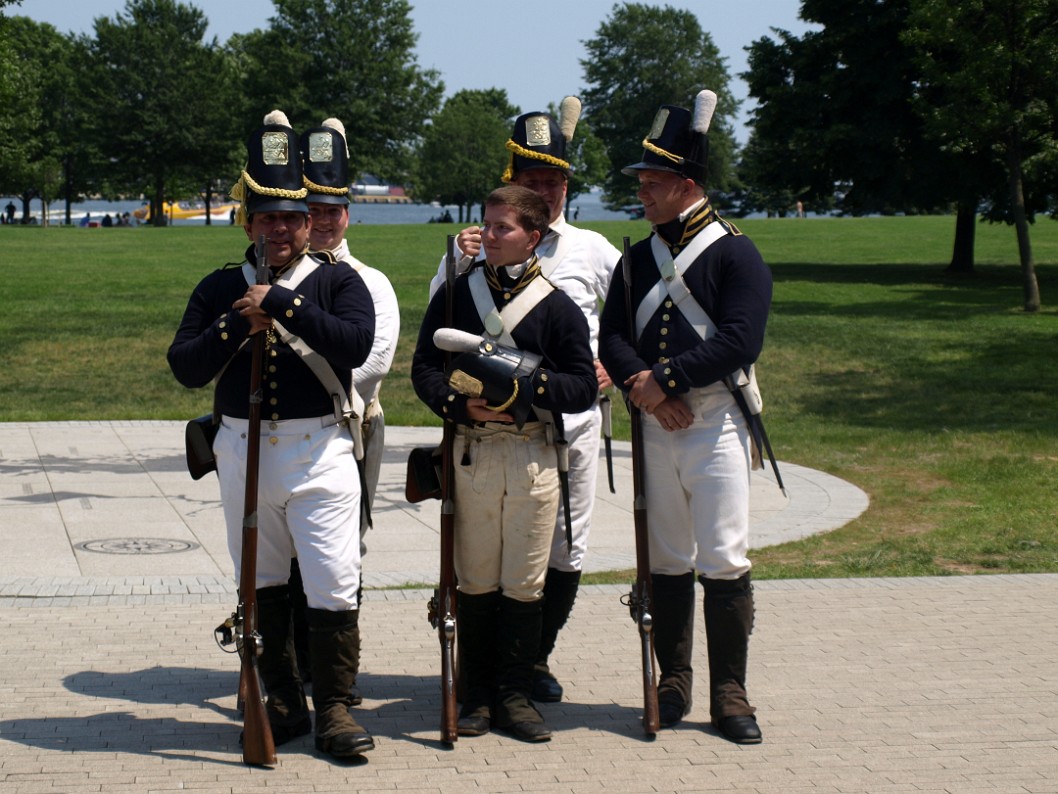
(272, 179)
(539, 142)
(326, 163)
(677, 141)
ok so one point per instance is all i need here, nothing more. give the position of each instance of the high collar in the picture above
(679, 231)
(513, 278)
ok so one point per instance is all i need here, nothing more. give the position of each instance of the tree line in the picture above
(883, 106)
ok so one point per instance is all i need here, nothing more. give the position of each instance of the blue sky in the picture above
(532, 50)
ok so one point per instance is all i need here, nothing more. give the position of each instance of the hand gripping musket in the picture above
(258, 747)
(443, 604)
(640, 600)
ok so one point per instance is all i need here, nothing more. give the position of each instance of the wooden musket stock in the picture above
(641, 599)
(443, 605)
(258, 747)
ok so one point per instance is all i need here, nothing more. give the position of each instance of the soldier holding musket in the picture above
(523, 360)
(311, 310)
(700, 296)
(579, 262)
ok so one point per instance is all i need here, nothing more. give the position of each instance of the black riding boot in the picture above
(476, 618)
(517, 644)
(334, 647)
(673, 612)
(728, 624)
(299, 614)
(560, 591)
(287, 709)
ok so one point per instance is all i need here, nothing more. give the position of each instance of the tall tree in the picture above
(641, 57)
(990, 72)
(163, 100)
(462, 156)
(834, 111)
(835, 122)
(352, 59)
(19, 96)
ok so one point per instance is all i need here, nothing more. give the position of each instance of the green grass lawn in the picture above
(935, 394)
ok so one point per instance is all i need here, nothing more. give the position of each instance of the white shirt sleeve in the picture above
(368, 376)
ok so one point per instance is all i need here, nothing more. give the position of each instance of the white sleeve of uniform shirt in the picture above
(584, 274)
(368, 376)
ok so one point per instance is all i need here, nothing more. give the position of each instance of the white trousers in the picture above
(505, 505)
(308, 505)
(582, 433)
(697, 487)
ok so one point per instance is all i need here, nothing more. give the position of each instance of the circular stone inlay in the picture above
(136, 546)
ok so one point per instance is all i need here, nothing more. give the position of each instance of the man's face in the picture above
(664, 195)
(329, 222)
(287, 233)
(506, 242)
(549, 184)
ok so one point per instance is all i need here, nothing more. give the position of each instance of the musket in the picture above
(640, 600)
(258, 747)
(443, 604)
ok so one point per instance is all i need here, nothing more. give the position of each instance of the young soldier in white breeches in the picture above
(506, 467)
(580, 263)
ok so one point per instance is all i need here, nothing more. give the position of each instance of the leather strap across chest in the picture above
(671, 283)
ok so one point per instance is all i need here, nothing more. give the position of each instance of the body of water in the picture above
(586, 207)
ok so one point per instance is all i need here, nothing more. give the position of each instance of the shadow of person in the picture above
(612, 717)
(400, 708)
(409, 709)
(125, 732)
(160, 684)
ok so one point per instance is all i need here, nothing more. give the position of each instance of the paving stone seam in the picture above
(87, 591)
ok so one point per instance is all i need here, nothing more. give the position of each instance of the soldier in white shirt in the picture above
(326, 158)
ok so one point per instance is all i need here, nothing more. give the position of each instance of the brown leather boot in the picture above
(334, 648)
(728, 624)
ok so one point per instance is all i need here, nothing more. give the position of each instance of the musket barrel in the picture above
(258, 746)
(642, 596)
(446, 596)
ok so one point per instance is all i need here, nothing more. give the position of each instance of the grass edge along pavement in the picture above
(933, 393)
